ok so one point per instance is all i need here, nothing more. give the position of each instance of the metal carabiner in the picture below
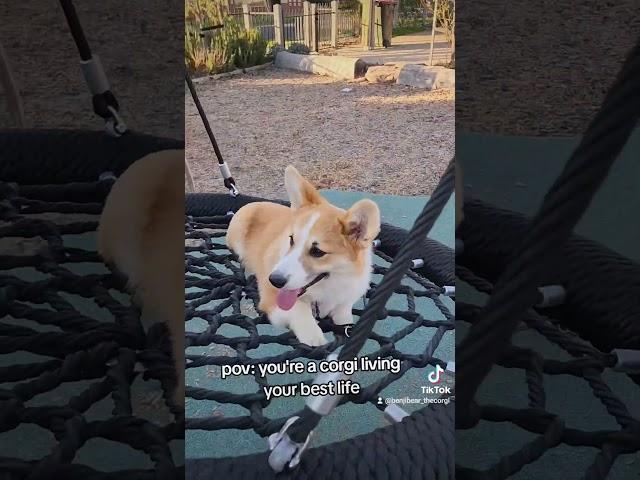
(285, 453)
(115, 126)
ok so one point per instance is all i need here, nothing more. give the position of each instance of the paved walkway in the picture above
(413, 48)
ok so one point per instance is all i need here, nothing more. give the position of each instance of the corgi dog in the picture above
(310, 253)
(141, 233)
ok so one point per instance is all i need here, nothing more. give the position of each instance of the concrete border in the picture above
(343, 68)
(232, 73)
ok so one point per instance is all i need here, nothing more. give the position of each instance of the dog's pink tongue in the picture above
(286, 299)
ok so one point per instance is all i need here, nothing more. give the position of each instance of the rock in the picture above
(429, 78)
(382, 74)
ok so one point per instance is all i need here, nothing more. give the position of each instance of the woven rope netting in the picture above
(84, 392)
(224, 327)
(508, 260)
(541, 416)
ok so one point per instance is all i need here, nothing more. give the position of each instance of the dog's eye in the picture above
(291, 240)
(316, 252)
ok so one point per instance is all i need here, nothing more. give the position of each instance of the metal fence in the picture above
(349, 20)
(412, 16)
(237, 17)
(264, 23)
(319, 20)
(293, 24)
(322, 19)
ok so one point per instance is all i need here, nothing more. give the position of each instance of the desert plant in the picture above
(202, 54)
(300, 48)
(223, 49)
(272, 49)
(204, 12)
(248, 49)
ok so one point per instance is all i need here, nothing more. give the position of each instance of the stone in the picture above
(382, 74)
(428, 78)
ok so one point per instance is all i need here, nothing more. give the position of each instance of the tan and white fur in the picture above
(287, 248)
(141, 232)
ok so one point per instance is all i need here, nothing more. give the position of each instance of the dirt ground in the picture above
(538, 68)
(374, 138)
(141, 47)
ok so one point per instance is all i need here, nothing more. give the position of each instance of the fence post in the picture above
(433, 31)
(246, 14)
(368, 24)
(306, 29)
(314, 27)
(334, 23)
(278, 24)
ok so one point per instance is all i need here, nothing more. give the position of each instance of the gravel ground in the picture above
(141, 47)
(375, 138)
(538, 68)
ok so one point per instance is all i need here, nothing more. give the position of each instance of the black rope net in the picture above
(504, 262)
(546, 378)
(219, 295)
(84, 391)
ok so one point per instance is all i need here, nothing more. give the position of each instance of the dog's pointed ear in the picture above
(361, 223)
(300, 191)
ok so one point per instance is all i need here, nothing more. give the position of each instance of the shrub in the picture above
(300, 48)
(200, 57)
(220, 50)
(246, 47)
(204, 13)
(272, 49)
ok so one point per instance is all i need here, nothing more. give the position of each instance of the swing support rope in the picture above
(229, 182)
(104, 101)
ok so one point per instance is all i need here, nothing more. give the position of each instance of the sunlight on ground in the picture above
(254, 81)
(421, 97)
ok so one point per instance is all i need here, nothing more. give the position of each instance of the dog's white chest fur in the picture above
(342, 291)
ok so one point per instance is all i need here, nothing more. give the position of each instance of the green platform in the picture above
(514, 173)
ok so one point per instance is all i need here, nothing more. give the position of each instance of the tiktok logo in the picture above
(434, 377)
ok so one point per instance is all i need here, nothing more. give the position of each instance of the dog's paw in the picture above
(342, 316)
(312, 337)
(316, 341)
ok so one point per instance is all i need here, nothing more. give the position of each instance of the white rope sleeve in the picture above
(94, 75)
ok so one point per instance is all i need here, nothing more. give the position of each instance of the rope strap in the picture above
(228, 180)
(105, 104)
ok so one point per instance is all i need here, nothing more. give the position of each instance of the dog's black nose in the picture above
(278, 280)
